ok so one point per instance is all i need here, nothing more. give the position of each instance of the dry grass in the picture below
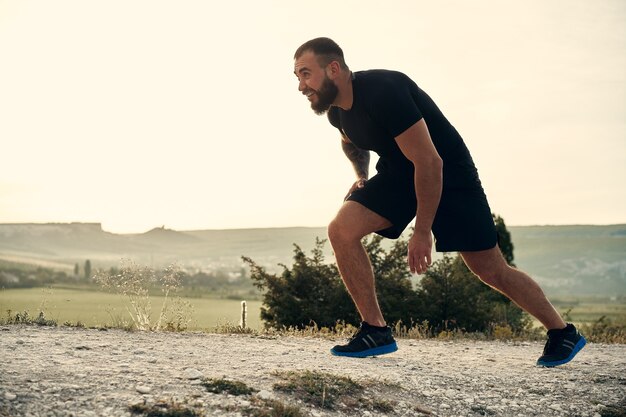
(318, 388)
(272, 408)
(165, 409)
(134, 282)
(219, 386)
(332, 392)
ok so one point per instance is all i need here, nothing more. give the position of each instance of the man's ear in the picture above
(333, 69)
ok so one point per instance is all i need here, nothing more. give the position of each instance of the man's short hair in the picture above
(326, 51)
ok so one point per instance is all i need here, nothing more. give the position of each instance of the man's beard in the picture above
(326, 96)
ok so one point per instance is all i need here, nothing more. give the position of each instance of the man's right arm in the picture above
(360, 159)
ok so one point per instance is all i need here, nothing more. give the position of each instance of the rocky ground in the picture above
(58, 371)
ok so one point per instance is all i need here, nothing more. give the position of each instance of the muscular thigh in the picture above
(485, 263)
(357, 220)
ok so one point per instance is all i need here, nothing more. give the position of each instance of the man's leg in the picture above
(492, 269)
(352, 223)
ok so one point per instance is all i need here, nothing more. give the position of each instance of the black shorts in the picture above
(463, 221)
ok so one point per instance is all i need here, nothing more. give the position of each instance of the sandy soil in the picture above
(48, 371)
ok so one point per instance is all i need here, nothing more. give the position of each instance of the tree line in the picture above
(221, 282)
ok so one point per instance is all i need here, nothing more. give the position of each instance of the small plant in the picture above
(179, 315)
(47, 292)
(78, 324)
(318, 388)
(134, 283)
(413, 330)
(567, 315)
(382, 406)
(119, 322)
(272, 408)
(446, 335)
(164, 409)
(226, 327)
(25, 318)
(218, 386)
(502, 332)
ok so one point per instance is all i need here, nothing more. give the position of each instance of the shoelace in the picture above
(356, 334)
(554, 341)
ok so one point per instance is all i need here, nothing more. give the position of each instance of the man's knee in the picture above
(491, 270)
(353, 222)
(339, 231)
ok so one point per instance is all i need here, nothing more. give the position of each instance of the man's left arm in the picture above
(417, 145)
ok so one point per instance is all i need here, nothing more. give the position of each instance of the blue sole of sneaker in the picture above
(581, 343)
(380, 350)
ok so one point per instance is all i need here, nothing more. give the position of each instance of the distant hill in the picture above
(65, 244)
(566, 260)
(574, 259)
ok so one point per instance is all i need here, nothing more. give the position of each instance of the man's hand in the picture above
(420, 247)
(360, 183)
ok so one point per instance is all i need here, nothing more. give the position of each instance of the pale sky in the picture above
(138, 114)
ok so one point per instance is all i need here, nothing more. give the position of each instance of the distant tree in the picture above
(87, 269)
(504, 239)
(76, 269)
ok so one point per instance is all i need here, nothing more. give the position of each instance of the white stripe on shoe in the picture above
(367, 343)
(369, 336)
(569, 344)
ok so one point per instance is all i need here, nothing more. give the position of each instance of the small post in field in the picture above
(244, 315)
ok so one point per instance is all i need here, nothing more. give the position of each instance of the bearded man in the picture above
(424, 172)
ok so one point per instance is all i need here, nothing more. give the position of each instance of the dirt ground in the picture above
(59, 371)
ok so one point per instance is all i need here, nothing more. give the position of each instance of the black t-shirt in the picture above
(385, 104)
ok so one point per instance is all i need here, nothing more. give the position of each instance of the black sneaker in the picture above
(368, 341)
(562, 346)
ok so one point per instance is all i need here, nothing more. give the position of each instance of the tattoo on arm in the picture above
(360, 158)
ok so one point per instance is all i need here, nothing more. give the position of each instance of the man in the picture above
(425, 172)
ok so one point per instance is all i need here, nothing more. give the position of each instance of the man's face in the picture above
(314, 83)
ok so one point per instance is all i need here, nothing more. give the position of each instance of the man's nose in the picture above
(301, 85)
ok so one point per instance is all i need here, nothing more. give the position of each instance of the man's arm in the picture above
(360, 159)
(417, 145)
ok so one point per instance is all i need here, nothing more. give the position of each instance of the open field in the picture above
(95, 308)
(587, 310)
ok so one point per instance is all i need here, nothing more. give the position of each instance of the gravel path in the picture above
(48, 371)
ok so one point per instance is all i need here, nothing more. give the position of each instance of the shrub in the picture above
(448, 297)
(310, 292)
(134, 282)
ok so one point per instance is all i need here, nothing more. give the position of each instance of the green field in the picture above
(590, 309)
(95, 308)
